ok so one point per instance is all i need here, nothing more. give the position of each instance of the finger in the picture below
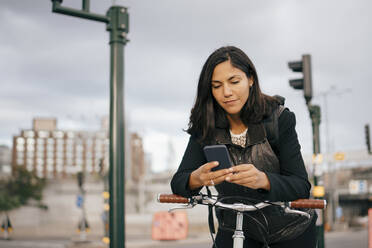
(241, 175)
(220, 179)
(216, 174)
(221, 172)
(210, 183)
(242, 167)
(208, 166)
(245, 181)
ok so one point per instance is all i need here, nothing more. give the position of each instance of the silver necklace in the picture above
(239, 139)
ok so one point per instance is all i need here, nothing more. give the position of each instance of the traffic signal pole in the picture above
(368, 141)
(117, 20)
(305, 84)
(318, 192)
(118, 28)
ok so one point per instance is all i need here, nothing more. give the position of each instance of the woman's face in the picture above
(230, 87)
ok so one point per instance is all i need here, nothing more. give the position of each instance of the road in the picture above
(349, 239)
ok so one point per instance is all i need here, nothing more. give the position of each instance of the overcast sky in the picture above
(54, 65)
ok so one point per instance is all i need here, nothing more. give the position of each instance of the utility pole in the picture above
(305, 84)
(332, 188)
(83, 226)
(332, 91)
(368, 141)
(117, 20)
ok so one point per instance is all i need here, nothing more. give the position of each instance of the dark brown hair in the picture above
(207, 114)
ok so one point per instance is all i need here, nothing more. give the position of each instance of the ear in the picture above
(250, 81)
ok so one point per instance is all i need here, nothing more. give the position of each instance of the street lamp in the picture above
(332, 91)
(117, 20)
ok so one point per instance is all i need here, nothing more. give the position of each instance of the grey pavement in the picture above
(356, 238)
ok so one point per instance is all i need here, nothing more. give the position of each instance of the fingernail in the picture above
(231, 169)
(227, 178)
(216, 163)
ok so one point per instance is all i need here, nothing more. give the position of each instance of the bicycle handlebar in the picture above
(172, 198)
(300, 203)
(308, 203)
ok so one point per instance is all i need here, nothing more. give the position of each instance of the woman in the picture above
(230, 109)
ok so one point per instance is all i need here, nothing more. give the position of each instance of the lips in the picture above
(230, 102)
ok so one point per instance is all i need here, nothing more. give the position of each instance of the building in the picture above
(54, 153)
(137, 158)
(5, 156)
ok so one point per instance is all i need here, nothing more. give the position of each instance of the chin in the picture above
(232, 112)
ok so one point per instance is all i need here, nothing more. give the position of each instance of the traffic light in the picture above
(304, 83)
(368, 141)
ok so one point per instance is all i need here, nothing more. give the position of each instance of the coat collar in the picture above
(255, 134)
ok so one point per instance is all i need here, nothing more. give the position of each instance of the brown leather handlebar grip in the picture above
(308, 203)
(171, 198)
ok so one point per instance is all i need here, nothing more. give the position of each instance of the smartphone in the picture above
(218, 153)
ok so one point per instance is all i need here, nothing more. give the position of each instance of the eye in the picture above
(235, 82)
(215, 86)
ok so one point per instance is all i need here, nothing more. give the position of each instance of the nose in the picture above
(227, 91)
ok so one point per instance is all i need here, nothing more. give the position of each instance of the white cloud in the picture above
(55, 65)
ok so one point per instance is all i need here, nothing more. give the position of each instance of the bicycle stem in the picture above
(238, 237)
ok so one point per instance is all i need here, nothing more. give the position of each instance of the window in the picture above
(30, 154)
(40, 141)
(20, 148)
(20, 140)
(50, 167)
(70, 135)
(30, 147)
(58, 134)
(50, 141)
(29, 134)
(20, 155)
(43, 134)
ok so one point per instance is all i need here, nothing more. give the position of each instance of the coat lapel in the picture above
(255, 134)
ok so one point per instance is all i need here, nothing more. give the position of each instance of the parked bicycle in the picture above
(291, 207)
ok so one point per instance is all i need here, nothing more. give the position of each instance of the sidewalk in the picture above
(342, 239)
(144, 243)
(138, 235)
(131, 242)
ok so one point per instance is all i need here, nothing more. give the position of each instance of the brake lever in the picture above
(292, 211)
(181, 207)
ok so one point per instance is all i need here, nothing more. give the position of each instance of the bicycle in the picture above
(240, 208)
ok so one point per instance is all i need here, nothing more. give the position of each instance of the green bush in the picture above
(20, 188)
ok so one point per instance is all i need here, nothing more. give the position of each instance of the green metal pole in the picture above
(117, 20)
(118, 28)
(315, 115)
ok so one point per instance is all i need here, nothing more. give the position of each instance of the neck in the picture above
(236, 124)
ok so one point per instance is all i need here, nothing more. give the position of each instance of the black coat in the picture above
(289, 184)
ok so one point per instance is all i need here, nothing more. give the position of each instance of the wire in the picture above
(214, 242)
(263, 228)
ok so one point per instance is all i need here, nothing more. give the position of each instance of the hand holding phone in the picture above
(218, 153)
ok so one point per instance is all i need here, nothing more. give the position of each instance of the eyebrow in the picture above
(216, 81)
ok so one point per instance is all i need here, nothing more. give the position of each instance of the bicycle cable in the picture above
(261, 227)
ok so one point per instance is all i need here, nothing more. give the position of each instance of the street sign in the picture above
(318, 191)
(79, 201)
(317, 158)
(339, 156)
(358, 186)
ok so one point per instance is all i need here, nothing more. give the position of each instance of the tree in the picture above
(20, 188)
